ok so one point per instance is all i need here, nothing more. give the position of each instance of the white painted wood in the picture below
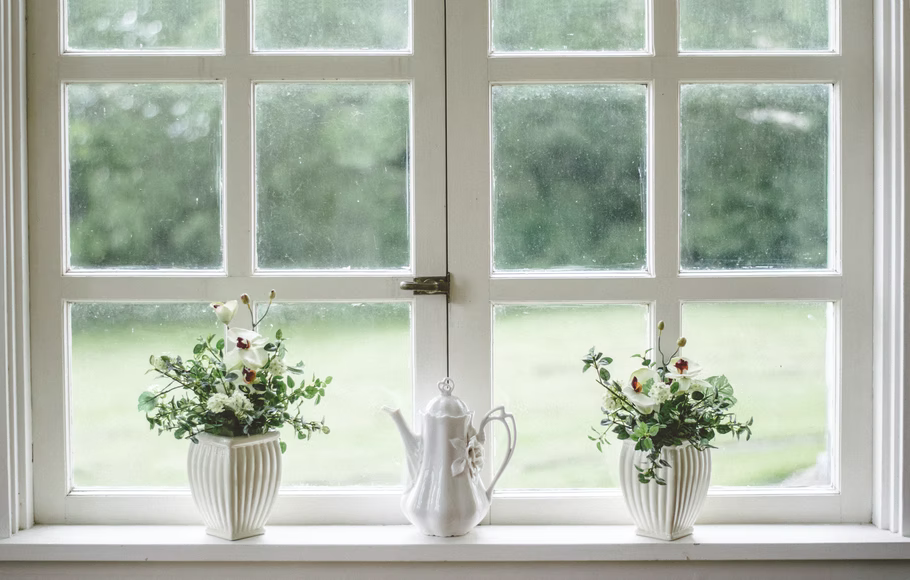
(468, 141)
(891, 486)
(237, 69)
(484, 544)
(15, 434)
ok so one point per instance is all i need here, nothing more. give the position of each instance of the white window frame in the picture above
(473, 69)
(238, 68)
(890, 458)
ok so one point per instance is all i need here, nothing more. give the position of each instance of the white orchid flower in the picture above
(642, 402)
(644, 377)
(244, 348)
(682, 367)
(225, 311)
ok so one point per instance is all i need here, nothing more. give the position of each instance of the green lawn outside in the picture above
(774, 354)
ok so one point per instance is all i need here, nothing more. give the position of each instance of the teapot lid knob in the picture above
(446, 386)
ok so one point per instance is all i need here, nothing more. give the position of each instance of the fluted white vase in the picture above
(234, 482)
(665, 512)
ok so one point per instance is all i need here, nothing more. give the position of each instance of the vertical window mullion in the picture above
(237, 163)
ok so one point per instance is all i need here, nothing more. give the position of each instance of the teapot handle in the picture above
(507, 419)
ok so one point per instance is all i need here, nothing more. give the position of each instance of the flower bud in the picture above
(272, 295)
(660, 325)
(245, 298)
(681, 342)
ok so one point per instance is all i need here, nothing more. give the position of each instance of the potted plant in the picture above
(667, 418)
(229, 399)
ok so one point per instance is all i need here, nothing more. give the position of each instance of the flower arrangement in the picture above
(663, 404)
(234, 386)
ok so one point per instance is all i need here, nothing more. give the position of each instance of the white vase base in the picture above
(235, 536)
(662, 536)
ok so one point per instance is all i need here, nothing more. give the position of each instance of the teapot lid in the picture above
(446, 404)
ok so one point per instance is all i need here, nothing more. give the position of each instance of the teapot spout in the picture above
(411, 442)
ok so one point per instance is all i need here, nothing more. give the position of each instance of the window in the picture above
(583, 169)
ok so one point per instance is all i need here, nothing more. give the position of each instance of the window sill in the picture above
(485, 544)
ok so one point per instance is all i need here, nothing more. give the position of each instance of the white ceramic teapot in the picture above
(444, 494)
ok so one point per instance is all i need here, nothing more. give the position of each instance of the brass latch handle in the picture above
(428, 285)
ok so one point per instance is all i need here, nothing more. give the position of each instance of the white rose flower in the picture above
(244, 348)
(225, 311)
(661, 393)
(216, 402)
(239, 403)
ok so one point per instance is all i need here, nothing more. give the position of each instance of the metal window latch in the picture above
(428, 285)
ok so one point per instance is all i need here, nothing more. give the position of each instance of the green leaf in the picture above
(608, 360)
(654, 430)
(328, 380)
(198, 348)
(278, 335)
(604, 374)
(220, 344)
(600, 447)
(282, 444)
(148, 401)
(290, 382)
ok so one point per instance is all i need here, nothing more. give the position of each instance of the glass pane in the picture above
(755, 25)
(569, 25)
(363, 447)
(755, 169)
(569, 177)
(537, 352)
(141, 25)
(317, 25)
(144, 175)
(111, 345)
(778, 357)
(332, 175)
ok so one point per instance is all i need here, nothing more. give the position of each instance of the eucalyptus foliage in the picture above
(664, 404)
(233, 386)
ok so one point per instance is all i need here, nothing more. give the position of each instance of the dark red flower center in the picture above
(243, 343)
(249, 375)
(682, 365)
(636, 386)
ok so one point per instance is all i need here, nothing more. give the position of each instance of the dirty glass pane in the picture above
(569, 25)
(755, 176)
(326, 25)
(537, 352)
(755, 25)
(111, 345)
(144, 175)
(143, 25)
(363, 448)
(779, 357)
(332, 164)
(569, 177)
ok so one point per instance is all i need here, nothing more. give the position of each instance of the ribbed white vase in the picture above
(234, 482)
(665, 512)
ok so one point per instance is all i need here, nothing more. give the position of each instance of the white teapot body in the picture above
(444, 492)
